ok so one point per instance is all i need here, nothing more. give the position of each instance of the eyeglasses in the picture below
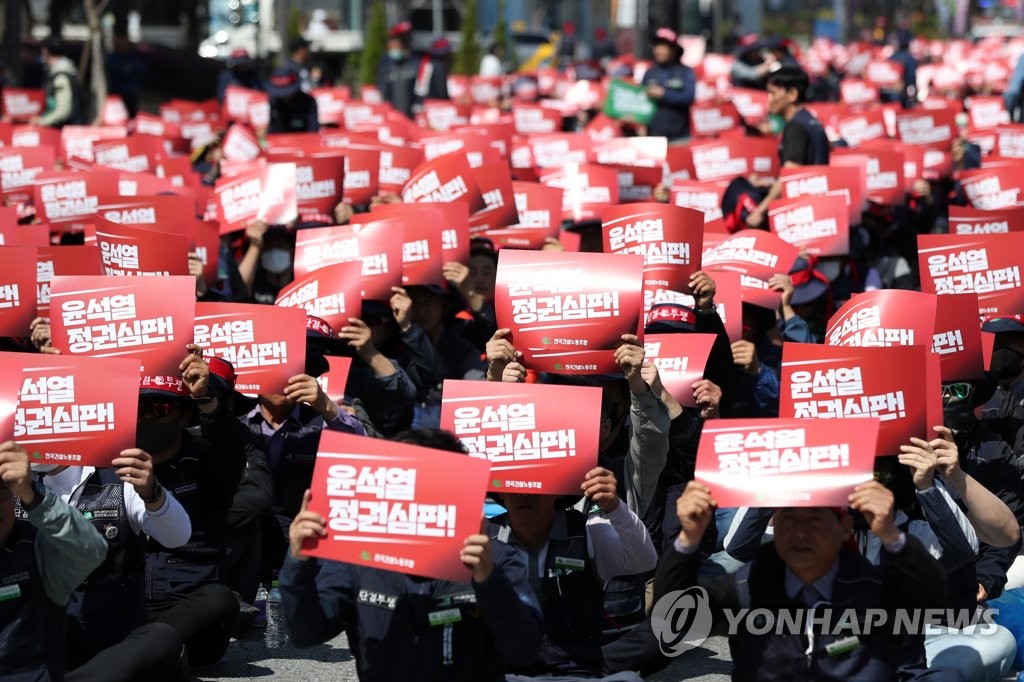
(158, 410)
(958, 390)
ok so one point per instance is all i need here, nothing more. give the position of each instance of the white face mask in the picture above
(43, 468)
(276, 261)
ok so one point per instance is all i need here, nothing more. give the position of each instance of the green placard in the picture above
(626, 100)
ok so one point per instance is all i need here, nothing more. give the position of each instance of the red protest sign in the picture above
(10, 385)
(442, 114)
(539, 213)
(422, 257)
(19, 167)
(266, 194)
(680, 359)
(395, 506)
(532, 119)
(568, 311)
(62, 260)
(856, 92)
(668, 237)
(265, 344)
(362, 171)
(884, 172)
(145, 318)
(820, 180)
(785, 462)
(17, 289)
(957, 338)
(495, 183)
(986, 264)
(734, 157)
(68, 200)
(533, 444)
(863, 127)
(1010, 141)
(884, 73)
(319, 183)
(935, 128)
(126, 250)
(76, 141)
(552, 151)
(753, 252)
(702, 196)
(396, 167)
(993, 188)
(319, 247)
(166, 211)
(12, 234)
(241, 144)
(380, 249)
(707, 120)
(75, 411)
(751, 103)
(968, 220)
(451, 220)
(21, 104)
(987, 112)
(330, 103)
(330, 293)
(136, 154)
(35, 136)
(587, 189)
(888, 317)
(827, 382)
(818, 224)
(444, 180)
(115, 113)
(333, 381)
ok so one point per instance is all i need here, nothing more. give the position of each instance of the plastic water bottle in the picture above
(275, 636)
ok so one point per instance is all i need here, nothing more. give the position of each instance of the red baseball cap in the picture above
(162, 386)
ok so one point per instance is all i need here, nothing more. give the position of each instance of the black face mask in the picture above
(958, 415)
(153, 435)
(1006, 364)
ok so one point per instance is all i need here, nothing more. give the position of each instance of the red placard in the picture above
(135, 154)
(240, 144)
(968, 220)
(330, 103)
(587, 189)
(856, 92)
(552, 151)
(76, 141)
(568, 311)
(35, 136)
(422, 256)
(266, 194)
(888, 317)
(817, 224)
(985, 264)
(442, 115)
(668, 237)
(935, 128)
(19, 167)
(495, 183)
(12, 234)
(707, 120)
(863, 127)
(680, 359)
(820, 180)
(534, 445)
(148, 319)
(785, 462)
(334, 380)
(320, 247)
(380, 249)
(884, 172)
(166, 211)
(126, 250)
(957, 338)
(75, 411)
(265, 344)
(319, 181)
(21, 104)
(993, 188)
(17, 289)
(452, 220)
(1010, 141)
(734, 157)
(62, 260)
(532, 119)
(987, 112)
(827, 382)
(753, 252)
(362, 173)
(115, 113)
(68, 200)
(396, 167)
(752, 104)
(702, 196)
(394, 506)
(539, 212)
(444, 180)
(886, 74)
(330, 293)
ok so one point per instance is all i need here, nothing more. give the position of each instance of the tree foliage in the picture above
(375, 42)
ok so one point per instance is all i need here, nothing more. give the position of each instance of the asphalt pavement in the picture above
(249, 659)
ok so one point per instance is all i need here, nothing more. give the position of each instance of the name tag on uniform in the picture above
(569, 564)
(842, 646)
(10, 592)
(384, 601)
(445, 617)
(674, 84)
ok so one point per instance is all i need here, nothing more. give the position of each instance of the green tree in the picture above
(467, 59)
(500, 36)
(375, 41)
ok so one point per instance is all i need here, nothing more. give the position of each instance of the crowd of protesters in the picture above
(146, 569)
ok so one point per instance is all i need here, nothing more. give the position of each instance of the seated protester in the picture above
(109, 634)
(43, 559)
(437, 349)
(185, 584)
(476, 284)
(804, 143)
(499, 622)
(571, 556)
(267, 265)
(1003, 411)
(758, 355)
(228, 286)
(383, 377)
(809, 563)
(990, 461)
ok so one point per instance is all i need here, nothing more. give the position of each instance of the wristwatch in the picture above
(157, 489)
(40, 490)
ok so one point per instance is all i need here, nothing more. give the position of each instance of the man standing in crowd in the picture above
(672, 86)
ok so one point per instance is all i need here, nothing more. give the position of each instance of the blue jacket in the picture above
(672, 114)
(387, 616)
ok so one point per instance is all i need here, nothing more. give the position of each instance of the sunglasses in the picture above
(958, 390)
(157, 410)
